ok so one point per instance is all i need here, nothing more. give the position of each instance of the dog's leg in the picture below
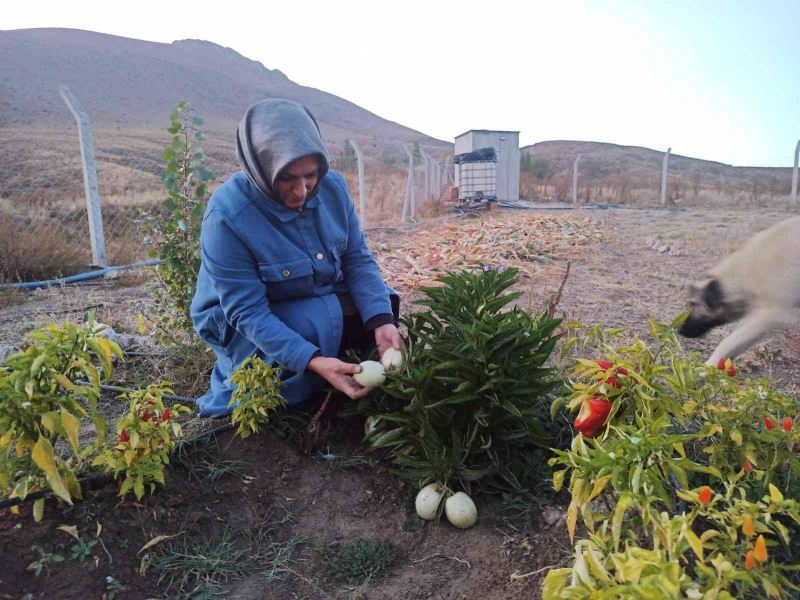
(754, 327)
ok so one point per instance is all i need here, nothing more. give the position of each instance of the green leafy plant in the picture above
(40, 565)
(174, 233)
(256, 397)
(471, 401)
(46, 390)
(82, 549)
(145, 438)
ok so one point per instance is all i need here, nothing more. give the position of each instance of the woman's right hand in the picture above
(339, 374)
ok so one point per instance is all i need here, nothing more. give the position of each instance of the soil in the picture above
(337, 494)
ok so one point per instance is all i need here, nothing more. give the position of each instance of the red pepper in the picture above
(787, 424)
(731, 371)
(704, 496)
(622, 372)
(769, 423)
(165, 415)
(747, 467)
(145, 417)
(604, 364)
(123, 436)
(749, 561)
(592, 416)
(721, 364)
(614, 382)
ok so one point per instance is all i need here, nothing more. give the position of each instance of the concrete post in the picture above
(362, 192)
(575, 180)
(664, 177)
(91, 190)
(794, 173)
(408, 202)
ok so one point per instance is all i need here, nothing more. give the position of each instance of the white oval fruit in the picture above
(392, 359)
(428, 500)
(370, 424)
(461, 510)
(371, 374)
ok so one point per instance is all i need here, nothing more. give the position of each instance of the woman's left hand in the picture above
(387, 336)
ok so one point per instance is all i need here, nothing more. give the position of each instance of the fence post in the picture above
(664, 177)
(794, 172)
(447, 162)
(362, 192)
(428, 174)
(575, 180)
(408, 201)
(91, 190)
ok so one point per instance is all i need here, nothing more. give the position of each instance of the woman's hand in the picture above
(387, 336)
(339, 374)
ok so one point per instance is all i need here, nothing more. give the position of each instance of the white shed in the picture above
(506, 146)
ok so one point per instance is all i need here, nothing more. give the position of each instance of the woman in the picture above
(286, 274)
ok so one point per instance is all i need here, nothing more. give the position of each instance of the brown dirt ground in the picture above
(618, 281)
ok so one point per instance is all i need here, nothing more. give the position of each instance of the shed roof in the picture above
(485, 131)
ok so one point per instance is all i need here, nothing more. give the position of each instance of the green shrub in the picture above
(471, 402)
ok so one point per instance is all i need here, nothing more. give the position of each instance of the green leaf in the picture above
(38, 510)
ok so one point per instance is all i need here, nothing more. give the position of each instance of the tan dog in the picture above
(759, 283)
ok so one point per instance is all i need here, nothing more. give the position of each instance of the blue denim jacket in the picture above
(269, 278)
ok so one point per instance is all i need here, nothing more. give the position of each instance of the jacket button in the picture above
(286, 273)
(320, 256)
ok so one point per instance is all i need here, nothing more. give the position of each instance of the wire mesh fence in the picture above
(44, 224)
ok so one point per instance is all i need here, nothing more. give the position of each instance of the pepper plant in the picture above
(256, 397)
(46, 391)
(145, 438)
(471, 401)
(677, 486)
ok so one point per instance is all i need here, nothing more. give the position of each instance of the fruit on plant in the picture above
(592, 416)
(704, 495)
(748, 527)
(769, 423)
(749, 561)
(726, 364)
(787, 424)
(165, 415)
(428, 500)
(372, 374)
(747, 467)
(613, 380)
(760, 550)
(392, 359)
(461, 510)
(370, 424)
(123, 436)
(146, 417)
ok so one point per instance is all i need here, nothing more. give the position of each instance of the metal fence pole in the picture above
(91, 190)
(794, 173)
(664, 177)
(575, 180)
(362, 191)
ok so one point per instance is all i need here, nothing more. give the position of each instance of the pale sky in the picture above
(712, 79)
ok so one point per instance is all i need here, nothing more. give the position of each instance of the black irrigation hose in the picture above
(95, 482)
(122, 390)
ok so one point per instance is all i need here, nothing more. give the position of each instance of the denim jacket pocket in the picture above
(288, 279)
